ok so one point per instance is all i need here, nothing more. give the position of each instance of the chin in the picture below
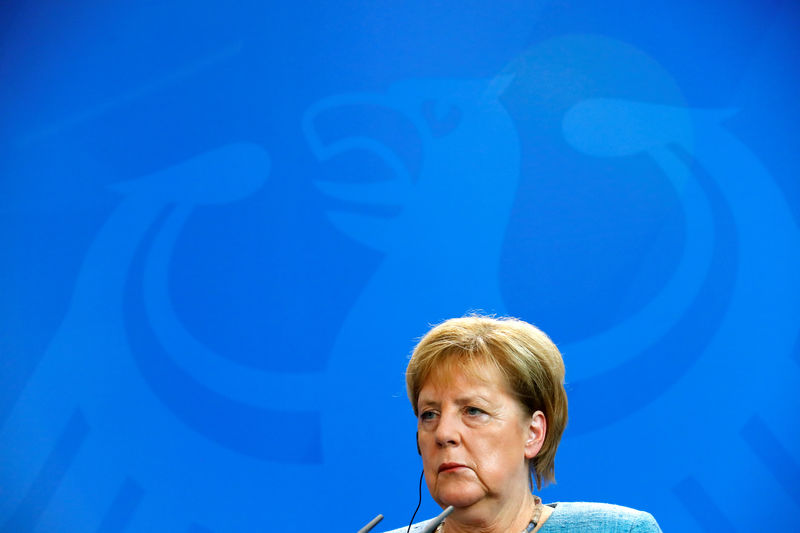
(459, 497)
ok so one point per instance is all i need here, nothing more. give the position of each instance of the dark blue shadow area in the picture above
(773, 455)
(243, 428)
(122, 508)
(702, 508)
(614, 394)
(28, 512)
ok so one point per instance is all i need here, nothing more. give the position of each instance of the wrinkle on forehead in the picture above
(444, 374)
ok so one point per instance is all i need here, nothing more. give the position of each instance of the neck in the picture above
(511, 516)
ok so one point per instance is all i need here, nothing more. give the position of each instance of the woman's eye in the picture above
(474, 411)
(427, 415)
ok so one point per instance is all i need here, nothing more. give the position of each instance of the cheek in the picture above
(430, 482)
(428, 453)
(492, 460)
(500, 455)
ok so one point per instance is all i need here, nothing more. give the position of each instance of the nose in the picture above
(448, 431)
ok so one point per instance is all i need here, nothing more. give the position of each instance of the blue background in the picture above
(224, 226)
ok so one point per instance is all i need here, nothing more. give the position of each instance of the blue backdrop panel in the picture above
(223, 228)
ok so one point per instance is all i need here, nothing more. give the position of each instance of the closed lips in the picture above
(449, 466)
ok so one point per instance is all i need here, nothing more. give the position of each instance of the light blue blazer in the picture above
(583, 517)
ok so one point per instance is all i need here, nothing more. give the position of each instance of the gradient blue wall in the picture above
(223, 226)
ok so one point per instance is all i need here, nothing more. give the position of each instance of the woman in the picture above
(491, 407)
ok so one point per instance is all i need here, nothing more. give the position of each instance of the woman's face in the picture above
(474, 437)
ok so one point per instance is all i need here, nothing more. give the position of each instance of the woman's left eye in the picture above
(474, 411)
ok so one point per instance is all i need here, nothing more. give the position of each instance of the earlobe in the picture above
(537, 429)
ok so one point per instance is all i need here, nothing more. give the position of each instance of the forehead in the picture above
(452, 374)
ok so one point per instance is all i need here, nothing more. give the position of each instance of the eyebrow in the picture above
(463, 400)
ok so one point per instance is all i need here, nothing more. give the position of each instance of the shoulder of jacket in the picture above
(604, 517)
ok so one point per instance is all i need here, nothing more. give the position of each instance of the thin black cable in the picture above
(420, 500)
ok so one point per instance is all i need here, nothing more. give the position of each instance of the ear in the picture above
(537, 429)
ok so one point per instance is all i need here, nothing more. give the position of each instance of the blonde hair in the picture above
(523, 353)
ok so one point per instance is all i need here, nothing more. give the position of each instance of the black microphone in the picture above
(372, 523)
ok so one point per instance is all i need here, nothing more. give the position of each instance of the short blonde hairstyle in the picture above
(523, 353)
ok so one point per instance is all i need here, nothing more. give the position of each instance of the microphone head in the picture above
(433, 524)
(372, 523)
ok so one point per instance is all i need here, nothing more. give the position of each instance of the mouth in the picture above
(445, 468)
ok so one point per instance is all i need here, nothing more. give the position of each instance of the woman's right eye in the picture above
(427, 415)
